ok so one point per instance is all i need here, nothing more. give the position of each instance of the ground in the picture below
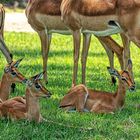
(17, 22)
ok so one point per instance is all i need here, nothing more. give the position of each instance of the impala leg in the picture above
(86, 44)
(115, 47)
(99, 108)
(80, 102)
(126, 54)
(45, 46)
(3, 46)
(5, 50)
(8, 55)
(76, 41)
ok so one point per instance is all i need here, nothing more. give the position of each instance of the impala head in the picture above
(12, 74)
(124, 76)
(36, 86)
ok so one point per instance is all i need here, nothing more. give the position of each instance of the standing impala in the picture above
(3, 46)
(45, 18)
(84, 99)
(26, 107)
(102, 16)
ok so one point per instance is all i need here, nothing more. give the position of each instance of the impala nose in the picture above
(132, 88)
(24, 81)
(49, 94)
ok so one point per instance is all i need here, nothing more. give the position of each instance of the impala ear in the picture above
(38, 76)
(16, 64)
(113, 72)
(7, 69)
(129, 66)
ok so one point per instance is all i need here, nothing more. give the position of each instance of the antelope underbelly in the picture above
(100, 25)
(63, 32)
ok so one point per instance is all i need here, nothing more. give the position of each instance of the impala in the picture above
(26, 107)
(83, 99)
(44, 16)
(10, 75)
(100, 16)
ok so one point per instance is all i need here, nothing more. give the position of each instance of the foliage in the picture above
(124, 124)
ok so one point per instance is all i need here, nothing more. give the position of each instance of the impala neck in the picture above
(120, 95)
(32, 106)
(5, 88)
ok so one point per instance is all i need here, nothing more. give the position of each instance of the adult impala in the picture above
(45, 18)
(89, 16)
(3, 46)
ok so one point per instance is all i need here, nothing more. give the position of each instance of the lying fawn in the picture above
(11, 75)
(82, 98)
(26, 107)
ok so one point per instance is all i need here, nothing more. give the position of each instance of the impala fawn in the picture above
(81, 98)
(26, 107)
(11, 75)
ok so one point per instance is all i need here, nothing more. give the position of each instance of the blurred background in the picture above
(13, 4)
(15, 18)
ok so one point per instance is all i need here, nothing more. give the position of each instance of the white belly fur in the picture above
(99, 26)
(90, 25)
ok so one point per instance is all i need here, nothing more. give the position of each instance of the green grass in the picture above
(124, 124)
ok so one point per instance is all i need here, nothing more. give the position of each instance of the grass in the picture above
(124, 124)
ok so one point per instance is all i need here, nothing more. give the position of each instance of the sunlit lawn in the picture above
(124, 124)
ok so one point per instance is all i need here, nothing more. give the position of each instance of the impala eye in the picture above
(123, 78)
(37, 86)
(13, 73)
